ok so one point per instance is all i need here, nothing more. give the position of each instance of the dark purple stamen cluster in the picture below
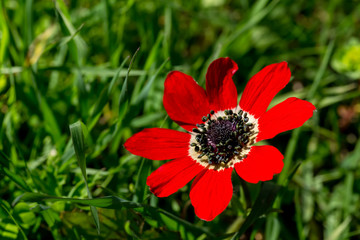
(222, 138)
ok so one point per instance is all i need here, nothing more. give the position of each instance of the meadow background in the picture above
(64, 61)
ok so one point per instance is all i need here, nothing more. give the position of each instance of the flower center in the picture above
(223, 137)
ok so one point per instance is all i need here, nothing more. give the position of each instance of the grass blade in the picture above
(77, 45)
(112, 202)
(123, 106)
(104, 97)
(4, 40)
(124, 87)
(77, 136)
(145, 91)
(321, 71)
(263, 203)
(14, 177)
(140, 186)
(5, 208)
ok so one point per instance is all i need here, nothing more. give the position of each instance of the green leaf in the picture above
(77, 136)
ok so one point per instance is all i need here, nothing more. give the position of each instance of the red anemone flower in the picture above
(220, 134)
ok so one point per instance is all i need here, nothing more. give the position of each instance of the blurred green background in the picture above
(62, 61)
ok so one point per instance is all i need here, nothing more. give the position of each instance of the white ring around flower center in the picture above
(203, 161)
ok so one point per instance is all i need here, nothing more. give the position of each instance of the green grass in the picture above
(74, 85)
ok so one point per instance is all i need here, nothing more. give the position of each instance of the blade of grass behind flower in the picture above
(140, 185)
(123, 107)
(167, 32)
(136, 106)
(104, 98)
(263, 203)
(145, 91)
(123, 94)
(321, 71)
(77, 136)
(139, 100)
(149, 63)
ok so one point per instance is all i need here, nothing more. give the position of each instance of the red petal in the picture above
(262, 88)
(220, 87)
(261, 164)
(172, 176)
(184, 100)
(289, 114)
(211, 192)
(159, 144)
